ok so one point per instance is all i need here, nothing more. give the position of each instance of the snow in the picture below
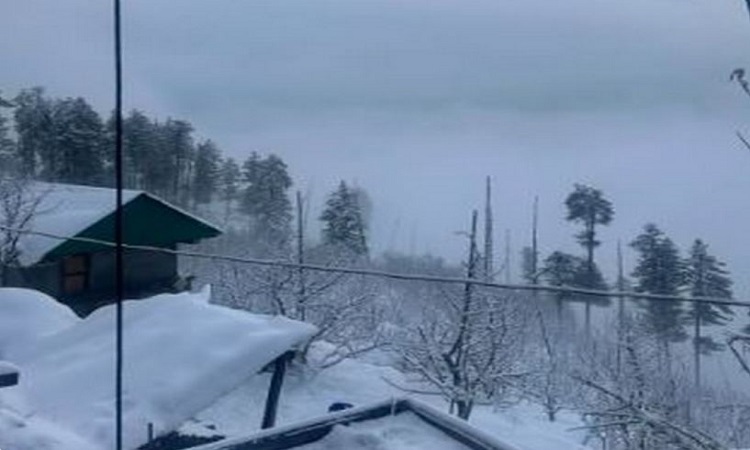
(191, 363)
(308, 393)
(7, 368)
(65, 210)
(27, 316)
(402, 432)
(181, 354)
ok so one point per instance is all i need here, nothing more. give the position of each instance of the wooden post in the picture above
(274, 390)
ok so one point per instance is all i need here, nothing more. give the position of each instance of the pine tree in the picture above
(229, 179)
(659, 271)
(705, 276)
(206, 176)
(266, 202)
(34, 129)
(78, 152)
(563, 269)
(7, 145)
(143, 160)
(344, 226)
(177, 142)
(588, 207)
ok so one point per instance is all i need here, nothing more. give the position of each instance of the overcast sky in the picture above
(416, 101)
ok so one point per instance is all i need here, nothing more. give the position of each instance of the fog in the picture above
(418, 101)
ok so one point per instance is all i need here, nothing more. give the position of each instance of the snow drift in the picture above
(181, 354)
(27, 316)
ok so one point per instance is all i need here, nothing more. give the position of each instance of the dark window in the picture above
(75, 274)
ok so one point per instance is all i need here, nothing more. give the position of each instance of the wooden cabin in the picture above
(82, 274)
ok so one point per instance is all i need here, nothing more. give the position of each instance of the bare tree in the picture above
(468, 349)
(638, 405)
(18, 206)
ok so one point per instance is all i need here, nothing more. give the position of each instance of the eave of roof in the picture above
(85, 211)
(148, 221)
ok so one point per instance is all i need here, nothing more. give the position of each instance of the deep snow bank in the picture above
(181, 354)
(27, 316)
(308, 393)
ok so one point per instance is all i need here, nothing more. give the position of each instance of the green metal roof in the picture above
(148, 221)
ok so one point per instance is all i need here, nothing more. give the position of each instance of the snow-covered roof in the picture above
(67, 210)
(181, 354)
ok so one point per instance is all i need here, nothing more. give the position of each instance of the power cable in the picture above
(396, 275)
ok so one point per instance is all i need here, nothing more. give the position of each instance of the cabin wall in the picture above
(42, 277)
(146, 273)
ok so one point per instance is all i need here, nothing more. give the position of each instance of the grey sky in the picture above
(417, 101)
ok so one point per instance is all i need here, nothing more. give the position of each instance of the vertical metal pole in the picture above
(119, 282)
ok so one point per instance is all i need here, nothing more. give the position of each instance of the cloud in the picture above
(418, 100)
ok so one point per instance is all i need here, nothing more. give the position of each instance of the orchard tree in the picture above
(18, 207)
(468, 350)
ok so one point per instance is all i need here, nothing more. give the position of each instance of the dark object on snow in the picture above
(177, 441)
(8, 377)
(339, 406)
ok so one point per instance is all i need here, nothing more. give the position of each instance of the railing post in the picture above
(274, 390)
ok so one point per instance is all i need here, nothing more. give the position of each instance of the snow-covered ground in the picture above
(181, 355)
(403, 432)
(308, 393)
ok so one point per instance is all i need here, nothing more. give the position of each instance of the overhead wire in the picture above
(397, 275)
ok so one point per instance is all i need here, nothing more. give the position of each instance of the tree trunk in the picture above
(301, 292)
(697, 351)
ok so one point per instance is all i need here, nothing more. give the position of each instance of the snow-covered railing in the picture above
(312, 430)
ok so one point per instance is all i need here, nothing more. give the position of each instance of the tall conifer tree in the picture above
(343, 222)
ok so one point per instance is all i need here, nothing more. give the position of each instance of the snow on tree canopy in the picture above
(180, 355)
